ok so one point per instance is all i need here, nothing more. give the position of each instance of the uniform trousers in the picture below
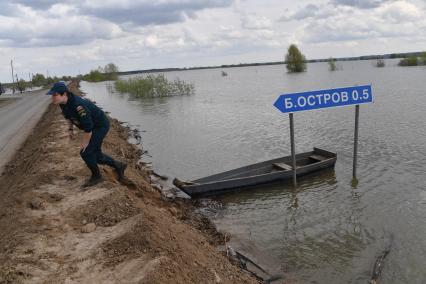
(93, 155)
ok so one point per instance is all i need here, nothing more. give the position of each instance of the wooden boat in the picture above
(260, 173)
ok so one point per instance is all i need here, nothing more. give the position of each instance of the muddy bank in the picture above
(52, 232)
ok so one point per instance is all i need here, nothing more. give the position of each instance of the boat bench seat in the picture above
(317, 158)
(283, 166)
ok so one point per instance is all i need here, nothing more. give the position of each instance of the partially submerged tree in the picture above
(409, 61)
(380, 62)
(332, 64)
(295, 60)
(111, 71)
(423, 58)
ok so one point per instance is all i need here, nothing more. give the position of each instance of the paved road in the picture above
(18, 118)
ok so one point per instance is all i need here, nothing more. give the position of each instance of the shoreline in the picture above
(388, 56)
(50, 231)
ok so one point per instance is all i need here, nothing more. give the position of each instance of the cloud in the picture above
(362, 4)
(59, 25)
(400, 11)
(147, 12)
(32, 23)
(334, 30)
(309, 11)
(35, 28)
(38, 4)
(140, 12)
(391, 19)
(9, 9)
(352, 21)
(255, 22)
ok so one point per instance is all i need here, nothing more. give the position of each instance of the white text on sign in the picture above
(324, 98)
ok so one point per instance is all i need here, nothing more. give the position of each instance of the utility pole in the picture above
(13, 77)
(30, 80)
(18, 84)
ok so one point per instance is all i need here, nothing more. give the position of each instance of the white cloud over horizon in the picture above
(70, 37)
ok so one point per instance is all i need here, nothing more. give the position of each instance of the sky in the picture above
(71, 37)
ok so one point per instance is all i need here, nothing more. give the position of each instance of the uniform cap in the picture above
(58, 87)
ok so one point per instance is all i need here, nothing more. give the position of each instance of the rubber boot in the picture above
(94, 179)
(120, 168)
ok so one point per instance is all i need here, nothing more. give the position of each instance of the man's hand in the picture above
(71, 134)
(85, 141)
(70, 129)
(83, 146)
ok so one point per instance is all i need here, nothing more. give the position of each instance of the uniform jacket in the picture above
(83, 113)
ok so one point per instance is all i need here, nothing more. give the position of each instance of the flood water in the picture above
(326, 231)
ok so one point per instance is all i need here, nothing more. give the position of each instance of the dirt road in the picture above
(52, 232)
(18, 116)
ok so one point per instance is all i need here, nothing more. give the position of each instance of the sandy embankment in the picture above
(52, 232)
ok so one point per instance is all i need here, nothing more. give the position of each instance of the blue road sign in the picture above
(324, 99)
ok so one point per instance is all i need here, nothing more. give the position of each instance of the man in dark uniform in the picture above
(93, 121)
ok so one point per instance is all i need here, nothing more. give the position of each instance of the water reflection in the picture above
(276, 191)
(281, 228)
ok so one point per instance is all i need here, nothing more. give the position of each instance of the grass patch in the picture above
(153, 86)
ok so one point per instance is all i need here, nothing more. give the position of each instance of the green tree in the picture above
(409, 61)
(39, 80)
(111, 68)
(380, 62)
(332, 64)
(295, 60)
(94, 76)
(51, 80)
(22, 85)
(110, 71)
(423, 58)
(66, 78)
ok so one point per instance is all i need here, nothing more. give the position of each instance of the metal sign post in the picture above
(290, 103)
(354, 178)
(293, 148)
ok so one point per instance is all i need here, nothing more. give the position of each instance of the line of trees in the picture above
(294, 59)
(296, 62)
(37, 80)
(107, 73)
